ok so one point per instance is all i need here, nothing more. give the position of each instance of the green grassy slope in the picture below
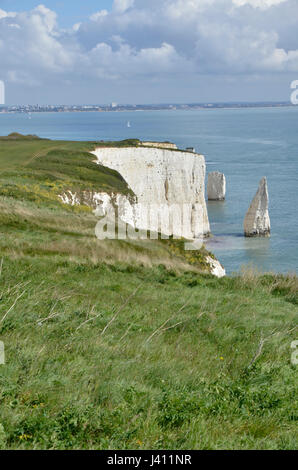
(39, 166)
(17, 149)
(125, 345)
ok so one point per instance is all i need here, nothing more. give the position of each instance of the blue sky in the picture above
(148, 51)
(69, 11)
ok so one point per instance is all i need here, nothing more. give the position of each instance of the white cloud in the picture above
(31, 47)
(120, 6)
(127, 62)
(262, 4)
(99, 15)
(6, 14)
(48, 16)
(144, 41)
(76, 26)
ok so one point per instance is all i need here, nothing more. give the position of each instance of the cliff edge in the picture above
(166, 180)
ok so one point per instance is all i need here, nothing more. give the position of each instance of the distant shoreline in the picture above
(28, 109)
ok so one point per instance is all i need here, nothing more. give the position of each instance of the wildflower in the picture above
(25, 437)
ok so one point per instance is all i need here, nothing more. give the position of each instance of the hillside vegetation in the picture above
(126, 344)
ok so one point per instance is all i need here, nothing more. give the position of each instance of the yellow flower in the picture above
(37, 405)
(221, 358)
(25, 437)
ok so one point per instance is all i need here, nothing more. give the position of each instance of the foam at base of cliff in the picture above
(162, 177)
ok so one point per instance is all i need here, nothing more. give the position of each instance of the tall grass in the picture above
(127, 357)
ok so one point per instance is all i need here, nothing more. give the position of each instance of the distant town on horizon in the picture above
(114, 107)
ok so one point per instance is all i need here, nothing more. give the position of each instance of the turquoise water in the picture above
(245, 144)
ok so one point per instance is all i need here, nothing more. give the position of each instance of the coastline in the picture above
(232, 141)
(27, 109)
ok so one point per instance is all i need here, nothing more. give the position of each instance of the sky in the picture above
(147, 51)
(69, 12)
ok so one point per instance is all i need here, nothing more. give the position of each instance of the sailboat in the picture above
(128, 124)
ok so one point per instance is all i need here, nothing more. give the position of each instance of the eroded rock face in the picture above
(257, 221)
(162, 179)
(216, 268)
(216, 187)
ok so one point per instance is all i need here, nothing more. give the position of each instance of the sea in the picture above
(244, 143)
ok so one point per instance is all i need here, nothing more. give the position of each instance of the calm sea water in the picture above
(245, 144)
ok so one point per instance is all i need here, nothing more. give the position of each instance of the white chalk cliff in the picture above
(216, 186)
(216, 268)
(162, 180)
(257, 221)
(166, 183)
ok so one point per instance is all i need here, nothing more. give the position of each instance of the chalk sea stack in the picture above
(257, 221)
(216, 187)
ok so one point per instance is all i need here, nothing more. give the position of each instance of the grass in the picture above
(128, 345)
(17, 149)
(172, 368)
(35, 168)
